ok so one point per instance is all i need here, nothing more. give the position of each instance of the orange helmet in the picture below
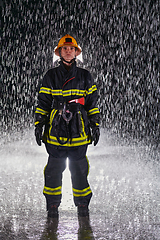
(67, 40)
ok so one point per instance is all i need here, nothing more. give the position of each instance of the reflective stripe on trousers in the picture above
(81, 193)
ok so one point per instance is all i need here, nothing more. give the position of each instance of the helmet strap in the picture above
(64, 59)
(68, 61)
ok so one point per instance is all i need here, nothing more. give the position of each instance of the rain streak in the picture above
(120, 47)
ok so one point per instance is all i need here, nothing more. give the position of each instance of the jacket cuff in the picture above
(40, 120)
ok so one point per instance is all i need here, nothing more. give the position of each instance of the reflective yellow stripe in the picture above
(88, 165)
(51, 119)
(81, 193)
(59, 92)
(74, 142)
(52, 191)
(73, 92)
(53, 114)
(44, 169)
(68, 92)
(91, 90)
(45, 90)
(83, 134)
(41, 111)
(36, 123)
(56, 92)
(93, 111)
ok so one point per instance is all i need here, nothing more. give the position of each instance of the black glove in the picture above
(40, 122)
(95, 135)
(38, 134)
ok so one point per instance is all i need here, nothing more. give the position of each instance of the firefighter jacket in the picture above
(60, 86)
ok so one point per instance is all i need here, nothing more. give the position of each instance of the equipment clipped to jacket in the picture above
(65, 111)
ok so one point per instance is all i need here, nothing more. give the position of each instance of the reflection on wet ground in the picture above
(51, 231)
(125, 180)
(85, 230)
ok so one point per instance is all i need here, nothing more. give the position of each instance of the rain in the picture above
(120, 46)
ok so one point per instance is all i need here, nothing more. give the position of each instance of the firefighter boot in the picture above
(53, 211)
(83, 211)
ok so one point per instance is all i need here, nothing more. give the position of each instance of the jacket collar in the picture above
(64, 70)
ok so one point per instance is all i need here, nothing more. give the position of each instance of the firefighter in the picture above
(67, 121)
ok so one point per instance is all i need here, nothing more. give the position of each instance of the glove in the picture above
(40, 121)
(95, 135)
(38, 135)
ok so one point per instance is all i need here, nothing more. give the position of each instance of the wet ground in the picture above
(125, 180)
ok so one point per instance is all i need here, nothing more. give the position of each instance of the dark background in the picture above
(119, 40)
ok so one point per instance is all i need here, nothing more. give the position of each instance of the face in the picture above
(68, 53)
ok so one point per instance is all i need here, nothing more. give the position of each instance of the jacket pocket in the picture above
(77, 125)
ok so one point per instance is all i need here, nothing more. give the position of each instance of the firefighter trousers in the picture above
(79, 169)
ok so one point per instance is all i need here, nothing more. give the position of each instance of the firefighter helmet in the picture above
(67, 40)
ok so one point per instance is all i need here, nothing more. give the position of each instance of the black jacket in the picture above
(59, 86)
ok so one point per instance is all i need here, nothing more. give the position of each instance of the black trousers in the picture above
(79, 168)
